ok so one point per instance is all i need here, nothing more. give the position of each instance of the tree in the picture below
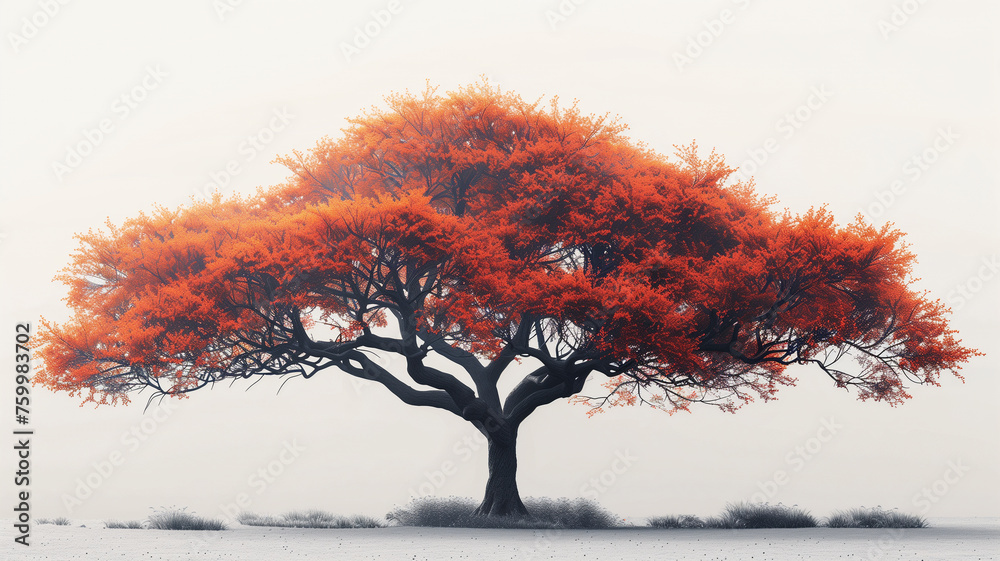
(503, 237)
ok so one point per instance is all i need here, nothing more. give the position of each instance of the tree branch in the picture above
(544, 393)
(369, 370)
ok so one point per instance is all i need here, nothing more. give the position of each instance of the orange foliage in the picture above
(474, 224)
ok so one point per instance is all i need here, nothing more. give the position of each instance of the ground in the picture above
(951, 540)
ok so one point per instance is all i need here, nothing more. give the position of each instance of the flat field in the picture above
(947, 540)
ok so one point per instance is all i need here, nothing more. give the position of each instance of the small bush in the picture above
(874, 518)
(309, 519)
(251, 519)
(571, 513)
(748, 515)
(457, 512)
(61, 521)
(436, 512)
(124, 524)
(682, 522)
(181, 520)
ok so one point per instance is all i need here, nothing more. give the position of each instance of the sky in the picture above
(885, 107)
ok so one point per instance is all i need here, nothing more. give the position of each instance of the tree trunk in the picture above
(502, 498)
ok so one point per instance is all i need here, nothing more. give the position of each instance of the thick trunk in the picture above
(502, 498)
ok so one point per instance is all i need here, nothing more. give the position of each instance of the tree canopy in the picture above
(487, 230)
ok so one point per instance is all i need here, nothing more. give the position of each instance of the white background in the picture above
(672, 72)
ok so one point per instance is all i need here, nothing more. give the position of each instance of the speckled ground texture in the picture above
(947, 539)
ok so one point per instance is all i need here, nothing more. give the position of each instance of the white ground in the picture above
(951, 540)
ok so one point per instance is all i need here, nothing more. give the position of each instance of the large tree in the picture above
(504, 238)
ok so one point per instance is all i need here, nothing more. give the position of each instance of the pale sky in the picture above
(849, 104)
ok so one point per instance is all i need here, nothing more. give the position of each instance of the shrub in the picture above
(174, 519)
(682, 522)
(761, 515)
(251, 519)
(874, 518)
(571, 513)
(61, 521)
(435, 512)
(543, 513)
(309, 519)
(124, 524)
